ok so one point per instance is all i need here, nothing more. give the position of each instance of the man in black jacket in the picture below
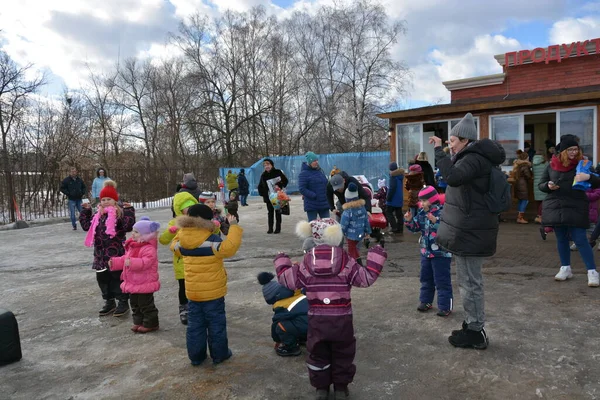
(337, 186)
(74, 188)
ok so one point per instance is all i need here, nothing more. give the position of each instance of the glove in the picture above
(217, 223)
(173, 229)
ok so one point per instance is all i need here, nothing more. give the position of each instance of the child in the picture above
(181, 204)
(290, 321)
(355, 221)
(221, 224)
(593, 196)
(140, 274)
(414, 183)
(205, 280)
(106, 232)
(381, 195)
(435, 263)
(328, 273)
(232, 205)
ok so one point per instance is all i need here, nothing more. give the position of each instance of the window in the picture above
(581, 124)
(408, 143)
(507, 131)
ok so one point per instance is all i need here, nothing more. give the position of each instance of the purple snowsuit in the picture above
(328, 273)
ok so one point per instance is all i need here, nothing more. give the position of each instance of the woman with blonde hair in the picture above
(428, 175)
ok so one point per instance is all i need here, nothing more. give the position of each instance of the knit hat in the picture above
(242, 171)
(272, 290)
(322, 231)
(109, 190)
(415, 168)
(146, 228)
(466, 128)
(393, 166)
(202, 211)
(380, 183)
(337, 182)
(205, 196)
(430, 194)
(310, 157)
(352, 192)
(567, 141)
(269, 161)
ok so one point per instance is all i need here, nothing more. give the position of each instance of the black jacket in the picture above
(74, 189)
(428, 175)
(467, 227)
(362, 193)
(263, 187)
(243, 186)
(565, 206)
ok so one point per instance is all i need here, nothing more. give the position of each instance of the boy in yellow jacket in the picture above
(205, 280)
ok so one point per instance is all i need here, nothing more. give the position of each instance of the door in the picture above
(428, 148)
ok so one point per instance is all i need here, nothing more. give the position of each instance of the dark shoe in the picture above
(143, 329)
(444, 313)
(464, 328)
(122, 308)
(469, 339)
(285, 351)
(322, 394)
(424, 307)
(229, 354)
(183, 313)
(75, 228)
(543, 233)
(278, 230)
(109, 307)
(270, 231)
(341, 394)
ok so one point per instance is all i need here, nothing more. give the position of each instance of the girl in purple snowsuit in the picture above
(328, 273)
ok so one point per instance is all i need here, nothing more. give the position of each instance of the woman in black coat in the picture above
(428, 174)
(243, 187)
(278, 177)
(567, 209)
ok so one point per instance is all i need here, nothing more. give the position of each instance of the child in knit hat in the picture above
(181, 204)
(435, 262)
(355, 221)
(221, 224)
(106, 231)
(328, 274)
(140, 274)
(290, 321)
(203, 252)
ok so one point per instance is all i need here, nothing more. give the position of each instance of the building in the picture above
(540, 95)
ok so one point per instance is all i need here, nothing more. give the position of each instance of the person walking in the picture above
(243, 187)
(232, 182)
(395, 199)
(312, 184)
(468, 229)
(270, 178)
(98, 184)
(74, 188)
(522, 175)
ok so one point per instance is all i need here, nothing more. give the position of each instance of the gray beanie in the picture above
(465, 129)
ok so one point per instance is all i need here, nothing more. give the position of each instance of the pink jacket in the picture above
(593, 196)
(141, 276)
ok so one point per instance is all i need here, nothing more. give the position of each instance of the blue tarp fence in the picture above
(374, 165)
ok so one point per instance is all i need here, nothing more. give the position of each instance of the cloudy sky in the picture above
(446, 39)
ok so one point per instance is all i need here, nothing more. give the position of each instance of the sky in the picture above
(445, 39)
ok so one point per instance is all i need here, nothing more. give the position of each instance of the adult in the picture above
(312, 184)
(567, 209)
(190, 185)
(337, 186)
(522, 175)
(395, 199)
(428, 174)
(74, 188)
(467, 228)
(98, 184)
(539, 165)
(269, 179)
(529, 150)
(243, 187)
(232, 183)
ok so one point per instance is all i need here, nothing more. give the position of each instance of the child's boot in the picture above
(122, 308)
(322, 394)
(109, 307)
(341, 393)
(183, 313)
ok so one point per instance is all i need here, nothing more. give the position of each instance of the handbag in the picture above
(285, 210)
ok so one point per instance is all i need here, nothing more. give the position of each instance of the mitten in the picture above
(173, 229)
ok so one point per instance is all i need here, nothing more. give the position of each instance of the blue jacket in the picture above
(441, 182)
(312, 183)
(355, 221)
(395, 197)
(243, 185)
(97, 186)
(428, 229)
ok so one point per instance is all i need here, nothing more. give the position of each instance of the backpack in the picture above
(498, 198)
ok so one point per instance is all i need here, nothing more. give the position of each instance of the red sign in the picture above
(556, 52)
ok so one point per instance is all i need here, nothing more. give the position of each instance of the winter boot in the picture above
(109, 307)
(183, 313)
(285, 351)
(341, 393)
(277, 222)
(521, 220)
(464, 328)
(424, 307)
(538, 219)
(271, 221)
(322, 394)
(122, 308)
(564, 273)
(469, 339)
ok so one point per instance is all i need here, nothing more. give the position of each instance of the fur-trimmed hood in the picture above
(185, 221)
(397, 172)
(354, 204)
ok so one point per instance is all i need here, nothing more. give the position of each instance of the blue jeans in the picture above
(522, 205)
(207, 324)
(577, 235)
(243, 198)
(312, 215)
(74, 204)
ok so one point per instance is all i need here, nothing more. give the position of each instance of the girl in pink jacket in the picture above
(140, 274)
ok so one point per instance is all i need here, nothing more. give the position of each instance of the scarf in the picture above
(556, 165)
(111, 224)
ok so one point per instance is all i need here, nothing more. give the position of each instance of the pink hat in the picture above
(430, 194)
(415, 168)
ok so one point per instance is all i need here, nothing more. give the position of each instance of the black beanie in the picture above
(201, 210)
(269, 161)
(567, 141)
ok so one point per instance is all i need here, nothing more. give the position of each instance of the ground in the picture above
(544, 336)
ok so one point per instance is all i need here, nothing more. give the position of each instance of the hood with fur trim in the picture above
(354, 204)
(193, 231)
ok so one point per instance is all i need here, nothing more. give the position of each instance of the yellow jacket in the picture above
(203, 253)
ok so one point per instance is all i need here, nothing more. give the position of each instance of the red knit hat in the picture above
(109, 190)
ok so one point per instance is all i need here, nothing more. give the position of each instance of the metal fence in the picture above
(37, 193)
